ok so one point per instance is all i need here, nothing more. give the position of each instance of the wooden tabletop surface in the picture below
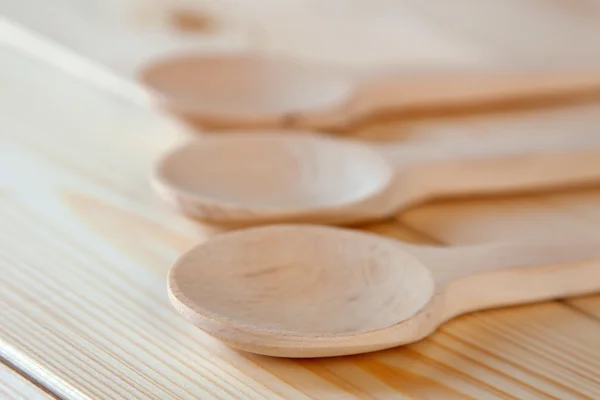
(85, 246)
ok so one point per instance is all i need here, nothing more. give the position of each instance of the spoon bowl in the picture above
(242, 89)
(311, 284)
(269, 177)
(308, 291)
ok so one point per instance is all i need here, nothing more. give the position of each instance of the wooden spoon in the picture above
(305, 177)
(241, 90)
(315, 291)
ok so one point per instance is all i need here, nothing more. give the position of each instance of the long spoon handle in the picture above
(453, 89)
(487, 276)
(488, 164)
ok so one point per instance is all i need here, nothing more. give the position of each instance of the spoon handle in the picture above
(487, 276)
(488, 164)
(421, 91)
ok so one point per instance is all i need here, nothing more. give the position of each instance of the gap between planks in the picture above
(17, 385)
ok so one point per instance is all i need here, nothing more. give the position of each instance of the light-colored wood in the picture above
(287, 176)
(103, 43)
(14, 386)
(484, 219)
(548, 215)
(315, 291)
(241, 90)
(79, 221)
(108, 42)
(409, 33)
(67, 318)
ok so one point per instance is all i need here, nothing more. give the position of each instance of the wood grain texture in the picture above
(86, 246)
(14, 386)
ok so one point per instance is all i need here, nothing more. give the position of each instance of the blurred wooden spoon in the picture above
(293, 176)
(252, 90)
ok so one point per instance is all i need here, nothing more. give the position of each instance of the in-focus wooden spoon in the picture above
(242, 90)
(315, 291)
(303, 177)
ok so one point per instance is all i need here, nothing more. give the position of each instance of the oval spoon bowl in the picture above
(314, 284)
(240, 177)
(243, 89)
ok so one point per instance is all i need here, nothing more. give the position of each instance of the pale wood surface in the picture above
(86, 246)
(14, 386)
(118, 36)
(94, 222)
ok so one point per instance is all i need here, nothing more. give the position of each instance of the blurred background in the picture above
(122, 34)
(409, 32)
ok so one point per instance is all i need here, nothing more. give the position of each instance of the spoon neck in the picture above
(422, 90)
(486, 276)
(464, 164)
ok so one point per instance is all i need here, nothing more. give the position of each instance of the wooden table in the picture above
(85, 246)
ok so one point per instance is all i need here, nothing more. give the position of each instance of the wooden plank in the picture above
(14, 386)
(86, 246)
(103, 349)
